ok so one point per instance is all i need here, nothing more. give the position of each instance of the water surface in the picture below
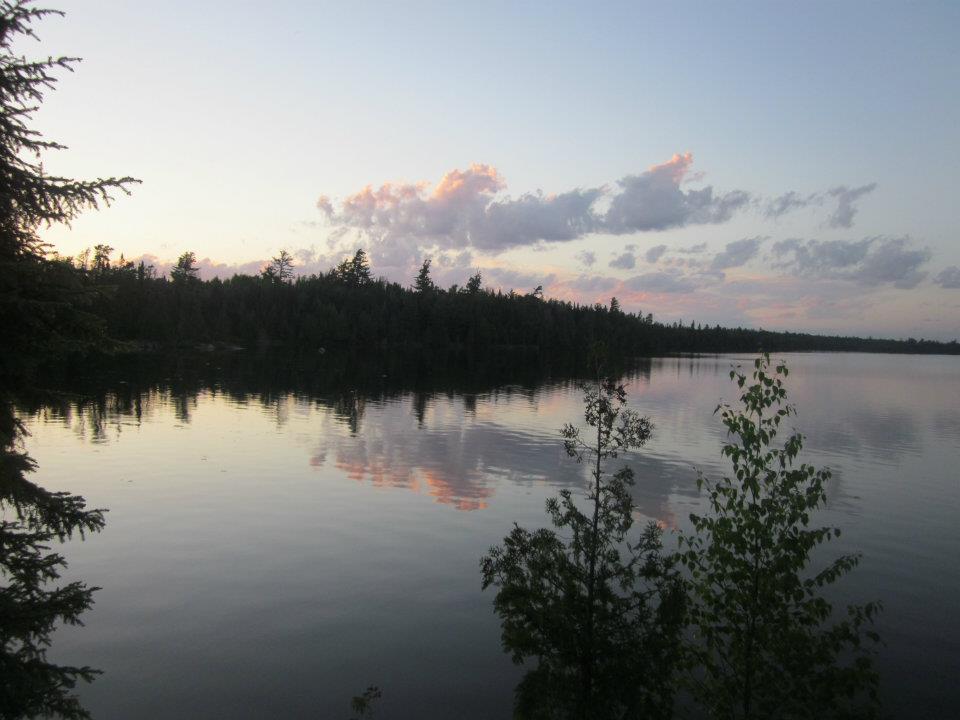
(270, 553)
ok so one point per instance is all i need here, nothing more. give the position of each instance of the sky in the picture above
(786, 166)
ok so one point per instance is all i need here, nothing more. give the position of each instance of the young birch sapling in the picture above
(599, 614)
(765, 641)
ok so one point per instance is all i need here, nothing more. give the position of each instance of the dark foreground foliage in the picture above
(45, 314)
(597, 611)
(767, 643)
(31, 603)
(734, 625)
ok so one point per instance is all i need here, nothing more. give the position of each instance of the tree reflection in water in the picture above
(412, 425)
(32, 603)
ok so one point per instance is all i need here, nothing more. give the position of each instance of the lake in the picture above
(271, 552)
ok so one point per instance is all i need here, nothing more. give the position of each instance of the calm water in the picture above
(272, 554)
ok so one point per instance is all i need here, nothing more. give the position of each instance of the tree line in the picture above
(347, 307)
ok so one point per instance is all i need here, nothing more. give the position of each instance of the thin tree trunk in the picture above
(754, 602)
(591, 578)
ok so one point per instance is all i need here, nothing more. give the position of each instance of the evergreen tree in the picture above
(360, 268)
(281, 267)
(41, 300)
(767, 642)
(354, 272)
(101, 259)
(344, 271)
(30, 608)
(186, 269)
(423, 284)
(144, 271)
(43, 312)
(474, 283)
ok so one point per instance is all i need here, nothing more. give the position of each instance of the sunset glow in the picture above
(497, 143)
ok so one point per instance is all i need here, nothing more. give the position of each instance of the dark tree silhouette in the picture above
(281, 267)
(186, 269)
(101, 259)
(345, 309)
(474, 283)
(600, 615)
(44, 314)
(423, 284)
(767, 642)
(354, 272)
(363, 704)
(360, 268)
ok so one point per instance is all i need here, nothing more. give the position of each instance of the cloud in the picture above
(655, 253)
(461, 212)
(807, 257)
(891, 261)
(401, 222)
(788, 202)
(949, 277)
(586, 258)
(508, 279)
(398, 221)
(654, 201)
(324, 205)
(625, 261)
(871, 261)
(460, 259)
(666, 281)
(592, 283)
(737, 253)
(842, 216)
(533, 218)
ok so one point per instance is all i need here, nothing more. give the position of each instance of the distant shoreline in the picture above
(346, 311)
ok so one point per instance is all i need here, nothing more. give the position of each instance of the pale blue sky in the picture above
(238, 116)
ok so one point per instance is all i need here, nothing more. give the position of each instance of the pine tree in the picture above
(281, 267)
(43, 316)
(354, 271)
(101, 259)
(423, 284)
(41, 309)
(360, 268)
(474, 283)
(186, 269)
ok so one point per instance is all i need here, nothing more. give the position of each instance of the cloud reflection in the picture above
(455, 456)
(459, 445)
(449, 447)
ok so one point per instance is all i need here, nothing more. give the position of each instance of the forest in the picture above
(348, 308)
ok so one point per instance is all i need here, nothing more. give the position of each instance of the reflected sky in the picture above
(455, 450)
(273, 551)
